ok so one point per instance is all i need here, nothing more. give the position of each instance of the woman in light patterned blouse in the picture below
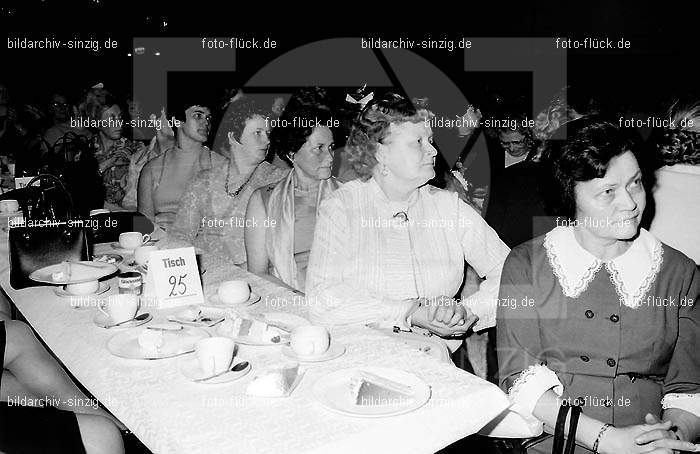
(212, 211)
(389, 249)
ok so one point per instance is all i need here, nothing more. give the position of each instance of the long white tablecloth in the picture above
(173, 415)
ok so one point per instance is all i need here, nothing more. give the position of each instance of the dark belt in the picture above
(655, 378)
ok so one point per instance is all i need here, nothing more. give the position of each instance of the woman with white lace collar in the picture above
(604, 314)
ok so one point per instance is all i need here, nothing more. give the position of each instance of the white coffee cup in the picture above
(83, 288)
(215, 354)
(9, 206)
(132, 240)
(233, 292)
(143, 253)
(310, 340)
(11, 168)
(120, 308)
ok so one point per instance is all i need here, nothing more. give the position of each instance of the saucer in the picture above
(125, 344)
(61, 291)
(88, 271)
(118, 247)
(189, 367)
(103, 321)
(215, 301)
(335, 350)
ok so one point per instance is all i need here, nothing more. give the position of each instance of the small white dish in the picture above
(87, 271)
(61, 291)
(190, 368)
(215, 301)
(335, 350)
(333, 392)
(103, 321)
(126, 344)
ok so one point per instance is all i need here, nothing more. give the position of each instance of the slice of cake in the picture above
(367, 388)
(254, 329)
(276, 382)
(151, 340)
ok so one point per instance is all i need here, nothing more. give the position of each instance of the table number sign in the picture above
(175, 276)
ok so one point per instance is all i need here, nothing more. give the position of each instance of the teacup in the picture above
(142, 254)
(215, 354)
(233, 292)
(83, 288)
(132, 240)
(310, 340)
(120, 308)
(9, 206)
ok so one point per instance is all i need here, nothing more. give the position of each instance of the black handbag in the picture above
(48, 234)
(72, 159)
(561, 444)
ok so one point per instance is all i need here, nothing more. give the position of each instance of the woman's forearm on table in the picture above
(343, 305)
(547, 409)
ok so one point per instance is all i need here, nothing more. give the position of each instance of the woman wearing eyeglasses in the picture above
(389, 249)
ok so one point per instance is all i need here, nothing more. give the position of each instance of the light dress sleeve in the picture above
(332, 300)
(682, 383)
(486, 253)
(189, 215)
(136, 163)
(523, 374)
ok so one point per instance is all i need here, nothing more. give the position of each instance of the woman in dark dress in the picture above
(58, 426)
(599, 313)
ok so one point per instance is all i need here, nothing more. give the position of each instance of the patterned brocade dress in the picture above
(214, 221)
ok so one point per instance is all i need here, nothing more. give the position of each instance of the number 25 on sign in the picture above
(179, 286)
(176, 277)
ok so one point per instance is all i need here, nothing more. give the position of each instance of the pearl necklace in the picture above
(240, 188)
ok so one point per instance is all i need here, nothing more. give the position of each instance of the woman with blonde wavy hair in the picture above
(388, 248)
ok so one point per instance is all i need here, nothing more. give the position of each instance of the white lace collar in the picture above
(632, 273)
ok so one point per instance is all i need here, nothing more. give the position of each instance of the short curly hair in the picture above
(590, 146)
(681, 145)
(294, 127)
(372, 126)
(238, 112)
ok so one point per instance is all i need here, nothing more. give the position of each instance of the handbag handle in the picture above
(59, 184)
(558, 446)
(573, 425)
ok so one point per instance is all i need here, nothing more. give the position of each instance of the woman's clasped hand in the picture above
(653, 437)
(444, 316)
